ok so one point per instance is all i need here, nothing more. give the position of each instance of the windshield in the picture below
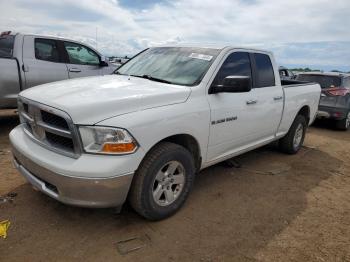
(6, 45)
(175, 65)
(323, 80)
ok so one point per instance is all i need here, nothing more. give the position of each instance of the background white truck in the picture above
(29, 60)
(143, 133)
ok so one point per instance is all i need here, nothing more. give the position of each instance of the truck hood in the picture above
(92, 99)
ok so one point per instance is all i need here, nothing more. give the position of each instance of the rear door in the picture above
(42, 61)
(82, 61)
(269, 97)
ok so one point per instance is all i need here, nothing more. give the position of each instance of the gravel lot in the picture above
(274, 208)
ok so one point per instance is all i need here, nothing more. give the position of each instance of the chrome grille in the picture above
(50, 127)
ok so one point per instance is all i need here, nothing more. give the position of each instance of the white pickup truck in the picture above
(142, 134)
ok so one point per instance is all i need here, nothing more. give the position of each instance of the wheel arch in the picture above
(187, 141)
(304, 111)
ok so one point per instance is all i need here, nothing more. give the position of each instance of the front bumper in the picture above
(89, 181)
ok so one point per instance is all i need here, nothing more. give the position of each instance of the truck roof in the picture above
(38, 35)
(215, 46)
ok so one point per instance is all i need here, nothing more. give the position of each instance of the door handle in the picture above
(252, 102)
(276, 98)
(25, 68)
(74, 70)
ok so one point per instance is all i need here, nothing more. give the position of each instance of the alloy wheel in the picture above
(298, 136)
(168, 183)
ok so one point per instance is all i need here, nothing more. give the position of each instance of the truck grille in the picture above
(54, 120)
(50, 127)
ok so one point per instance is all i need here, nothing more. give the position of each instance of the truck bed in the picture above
(302, 94)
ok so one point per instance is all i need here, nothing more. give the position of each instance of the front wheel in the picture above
(294, 139)
(344, 124)
(162, 182)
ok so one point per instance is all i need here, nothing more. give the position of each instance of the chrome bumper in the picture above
(78, 191)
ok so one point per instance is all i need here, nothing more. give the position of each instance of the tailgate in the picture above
(337, 101)
(330, 101)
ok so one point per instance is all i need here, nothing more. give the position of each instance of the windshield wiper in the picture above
(149, 77)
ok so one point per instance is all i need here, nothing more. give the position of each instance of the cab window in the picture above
(6, 45)
(81, 55)
(264, 71)
(236, 64)
(46, 49)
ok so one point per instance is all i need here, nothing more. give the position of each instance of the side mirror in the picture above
(103, 62)
(233, 84)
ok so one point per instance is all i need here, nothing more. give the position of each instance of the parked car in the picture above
(145, 132)
(335, 97)
(286, 74)
(30, 60)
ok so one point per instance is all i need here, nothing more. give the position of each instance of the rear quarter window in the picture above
(6, 45)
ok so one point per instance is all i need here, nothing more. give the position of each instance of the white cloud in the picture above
(236, 22)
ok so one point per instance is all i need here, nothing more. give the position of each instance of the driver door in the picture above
(233, 115)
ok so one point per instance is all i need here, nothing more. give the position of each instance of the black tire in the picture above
(286, 144)
(141, 192)
(343, 124)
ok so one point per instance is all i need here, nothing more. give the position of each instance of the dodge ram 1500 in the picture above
(143, 133)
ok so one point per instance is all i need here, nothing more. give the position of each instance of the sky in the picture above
(301, 33)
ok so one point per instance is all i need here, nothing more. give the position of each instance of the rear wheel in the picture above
(294, 139)
(344, 124)
(162, 182)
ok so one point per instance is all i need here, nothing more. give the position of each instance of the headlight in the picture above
(107, 140)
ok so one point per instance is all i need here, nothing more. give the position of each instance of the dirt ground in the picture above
(275, 207)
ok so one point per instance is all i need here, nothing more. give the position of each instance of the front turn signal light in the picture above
(121, 148)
